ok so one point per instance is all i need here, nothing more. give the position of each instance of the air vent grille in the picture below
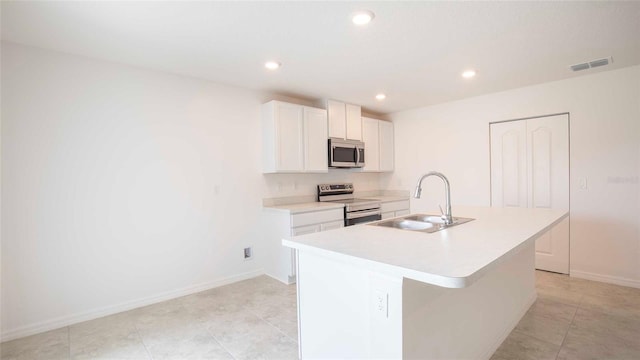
(578, 67)
(600, 62)
(591, 64)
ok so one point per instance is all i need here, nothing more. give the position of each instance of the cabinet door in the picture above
(289, 140)
(371, 144)
(388, 215)
(509, 164)
(315, 140)
(354, 122)
(304, 230)
(402, 212)
(332, 225)
(337, 119)
(386, 145)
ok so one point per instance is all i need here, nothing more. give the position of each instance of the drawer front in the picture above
(388, 215)
(332, 225)
(304, 230)
(395, 206)
(402, 212)
(317, 217)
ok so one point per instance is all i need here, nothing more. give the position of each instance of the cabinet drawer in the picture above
(304, 230)
(388, 215)
(317, 217)
(395, 206)
(402, 212)
(332, 225)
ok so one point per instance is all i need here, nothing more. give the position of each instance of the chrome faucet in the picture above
(448, 219)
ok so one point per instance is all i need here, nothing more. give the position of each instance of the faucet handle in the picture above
(441, 212)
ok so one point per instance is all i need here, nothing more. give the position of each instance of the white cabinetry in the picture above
(294, 138)
(280, 262)
(386, 145)
(345, 120)
(391, 209)
(378, 144)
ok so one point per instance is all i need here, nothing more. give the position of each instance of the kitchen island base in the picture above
(351, 310)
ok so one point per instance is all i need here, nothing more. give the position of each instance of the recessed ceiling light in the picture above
(381, 97)
(272, 65)
(362, 17)
(469, 74)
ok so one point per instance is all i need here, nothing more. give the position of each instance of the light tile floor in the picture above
(256, 318)
(576, 319)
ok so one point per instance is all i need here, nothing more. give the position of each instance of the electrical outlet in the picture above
(381, 303)
(582, 184)
(248, 254)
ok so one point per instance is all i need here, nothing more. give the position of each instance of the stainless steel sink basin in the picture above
(412, 225)
(420, 222)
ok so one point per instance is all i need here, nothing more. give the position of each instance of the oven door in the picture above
(361, 217)
(346, 154)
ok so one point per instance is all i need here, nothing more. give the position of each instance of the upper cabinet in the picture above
(345, 120)
(294, 138)
(386, 145)
(378, 144)
(370, 137)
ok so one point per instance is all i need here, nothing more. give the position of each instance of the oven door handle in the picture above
(359, 214)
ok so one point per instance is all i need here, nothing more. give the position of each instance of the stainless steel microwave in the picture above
(346, 153)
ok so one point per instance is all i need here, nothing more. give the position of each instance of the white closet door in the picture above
(530, 168)
(548, 169)
(509, 164)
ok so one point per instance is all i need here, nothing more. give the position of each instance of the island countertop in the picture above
(453, 258)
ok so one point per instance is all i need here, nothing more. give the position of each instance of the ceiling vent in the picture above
(591, 64)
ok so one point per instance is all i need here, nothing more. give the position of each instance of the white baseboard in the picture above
(507, 331)
(67, 320)
(605, 278)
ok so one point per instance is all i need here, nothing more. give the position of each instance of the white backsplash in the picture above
(287, 185)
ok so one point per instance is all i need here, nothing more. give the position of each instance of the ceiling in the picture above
(414, 52)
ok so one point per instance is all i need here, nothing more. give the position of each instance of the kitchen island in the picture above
(376, 292)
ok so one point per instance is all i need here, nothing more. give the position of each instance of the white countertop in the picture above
(452, 258)
(319, 206)
(305, 207)
(385, 198)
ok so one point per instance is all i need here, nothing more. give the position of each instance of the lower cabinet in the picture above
(280, 262)
(393, 209)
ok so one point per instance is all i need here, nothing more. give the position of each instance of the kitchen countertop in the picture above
(385, 198)
(452, 258)
(305, 207)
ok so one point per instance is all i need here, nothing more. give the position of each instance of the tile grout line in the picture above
(135, 326)
(69, 340)
(275, 327)
(569, 327)
(219, 342)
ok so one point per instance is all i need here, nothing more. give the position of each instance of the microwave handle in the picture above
(357, 155)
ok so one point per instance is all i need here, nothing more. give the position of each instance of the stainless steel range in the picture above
(356, 211)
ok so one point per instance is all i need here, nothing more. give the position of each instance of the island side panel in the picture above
(471, 322)
(340, 312)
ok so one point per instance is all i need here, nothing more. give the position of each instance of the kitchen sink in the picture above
(421, 222)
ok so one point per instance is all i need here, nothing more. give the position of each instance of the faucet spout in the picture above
(448, 218)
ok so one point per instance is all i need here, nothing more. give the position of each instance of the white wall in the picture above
(605, 149)
(123, 186)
